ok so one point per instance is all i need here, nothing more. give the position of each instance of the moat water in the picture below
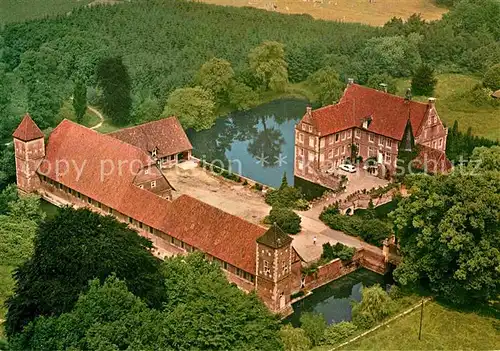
(334, 300)
(258, 143)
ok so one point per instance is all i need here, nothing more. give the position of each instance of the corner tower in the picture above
(273, 273)
(29, 147)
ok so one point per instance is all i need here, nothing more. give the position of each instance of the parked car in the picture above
(348, 167)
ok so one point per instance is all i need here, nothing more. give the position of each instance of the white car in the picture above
(348, 167)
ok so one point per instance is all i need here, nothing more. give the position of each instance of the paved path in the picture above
(98, 114)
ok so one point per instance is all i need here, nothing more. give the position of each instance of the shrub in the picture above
(395, 292)
(345, 253)
(302, 205)
(338, 332)
(258, 186)
(491, 78)
(314, 326)
(287, 196)
(286, 219)
(375, 305)
(294, 339)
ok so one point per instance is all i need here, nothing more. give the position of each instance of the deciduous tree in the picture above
(267, 61)
(491, 78)
(194, 107)
(216, 76)
(326, 85)
(449, 231)
(72, 248)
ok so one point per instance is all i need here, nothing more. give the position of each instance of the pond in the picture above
(258, 143)
(333, 300)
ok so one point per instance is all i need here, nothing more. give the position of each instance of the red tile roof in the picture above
(27, 130)
(196, 223)
(165, 134)
(432, 160)
(211, 230)
(388, 113)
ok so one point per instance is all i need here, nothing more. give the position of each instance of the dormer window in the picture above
(153, 184)
(146, 171)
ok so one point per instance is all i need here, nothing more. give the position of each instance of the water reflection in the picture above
(258, 143)
(334, 300)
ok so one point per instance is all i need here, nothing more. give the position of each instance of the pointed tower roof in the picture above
(274, 238)
(27, 130)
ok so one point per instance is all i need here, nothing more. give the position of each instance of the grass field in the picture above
(443, 329)
(67, 111)
(373, 12)
(451, 106)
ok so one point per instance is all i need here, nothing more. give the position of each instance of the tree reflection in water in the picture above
(266, 131)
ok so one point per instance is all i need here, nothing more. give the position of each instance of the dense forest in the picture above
(164, 43)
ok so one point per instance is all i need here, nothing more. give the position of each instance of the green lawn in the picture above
(23, 10)
(451, 106)
(443, 329)
(66, 111)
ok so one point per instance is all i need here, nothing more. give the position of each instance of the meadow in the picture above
(443, 328)
(372, 12)
(452, 105)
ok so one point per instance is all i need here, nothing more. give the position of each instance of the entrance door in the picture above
(282, 300)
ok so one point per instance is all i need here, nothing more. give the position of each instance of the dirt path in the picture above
(98, 114)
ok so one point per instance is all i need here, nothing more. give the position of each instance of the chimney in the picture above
(308, 110)
(432, 101)
(350, 81)
(383, 86)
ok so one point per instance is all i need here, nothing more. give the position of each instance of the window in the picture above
(300, 164)
(284, 268)
(371, 138)
(371, 152)
(110, 210)
(172, 157)
(153, 153)
(267, 270)
(322, 142)
(172, 240)
(151, 230)
(89, 200)
(310, 129)
(343, 149)
(330, 153)
(343, 135)
(381, 140)
(387, 158)
(301, 151)
(330, 139)
(321, 157)
(141, 186)
(310, 156)
(337, 137)
(349, 134)
(337, 150)
(440, 143)
(153, 184)
(311, 141)
(434, 143)
(60, 186)
(357, 133)
(98, 204)
(301, 138)
(130, 220)
(140, 225)
(304, 126)
(225, 265)
(389, 143)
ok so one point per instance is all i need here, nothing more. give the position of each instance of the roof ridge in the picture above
(144, 124)
(106, 136)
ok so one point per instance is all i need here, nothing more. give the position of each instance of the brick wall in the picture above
(336, 269)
